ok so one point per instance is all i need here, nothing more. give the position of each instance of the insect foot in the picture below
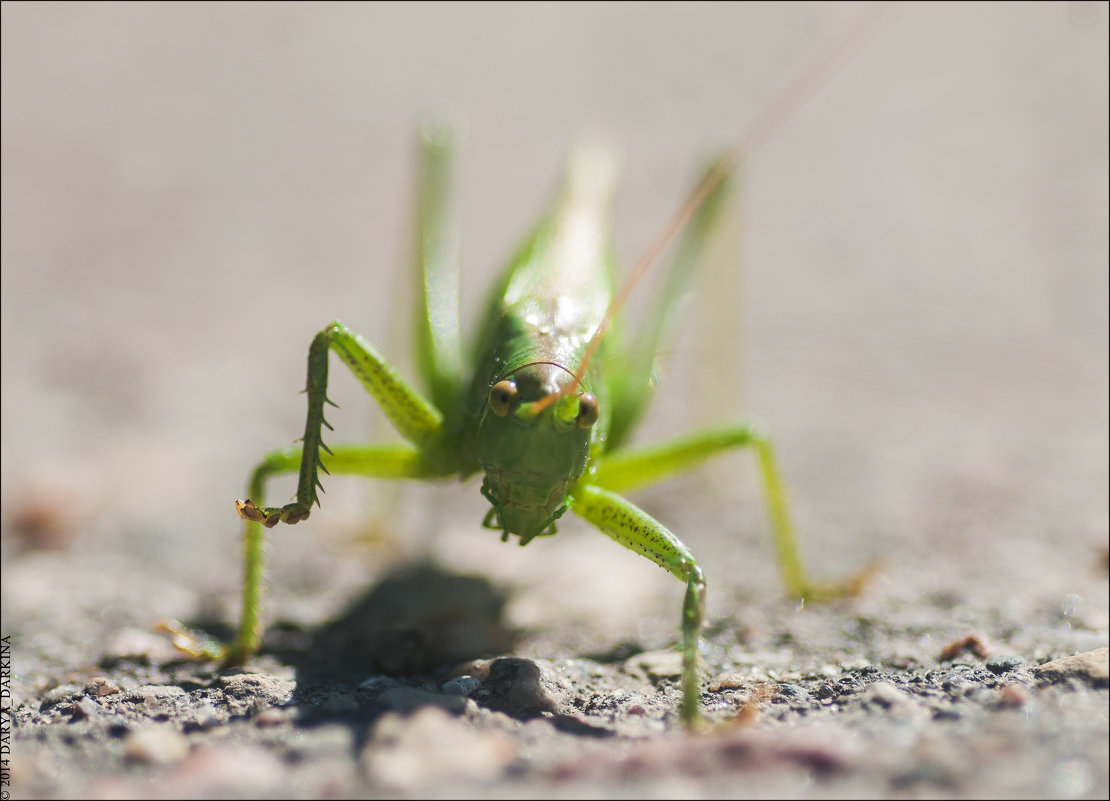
(270, 516)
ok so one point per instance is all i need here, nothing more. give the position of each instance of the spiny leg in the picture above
(634, 470)
(420, 421)
(374, 461)
(635, 529)
(416, 418)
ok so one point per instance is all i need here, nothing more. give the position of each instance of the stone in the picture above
(1092, 667)
(432, 748)
(157, 745)
(407, 699)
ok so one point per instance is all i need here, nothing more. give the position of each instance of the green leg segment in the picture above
(438, 350)
(641, 468)
(416, 418)
(384, 461)
(633, 528)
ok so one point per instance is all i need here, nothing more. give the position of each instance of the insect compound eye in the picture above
(587, 411)
(501, 397)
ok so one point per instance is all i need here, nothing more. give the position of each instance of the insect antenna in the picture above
(804, 85)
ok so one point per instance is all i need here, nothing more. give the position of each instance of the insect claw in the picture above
(248, 511)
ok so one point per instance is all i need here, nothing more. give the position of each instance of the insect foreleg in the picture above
(640, 468)
(417, 419)
(375, 461)
(636, 530)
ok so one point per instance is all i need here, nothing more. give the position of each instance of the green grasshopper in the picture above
(539, 410)
(545, 417)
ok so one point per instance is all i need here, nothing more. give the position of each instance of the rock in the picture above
(253, 687)
(98, 687)
(793, 692)
(156, 697)
(1092, 667)
(884, 694)
(63, 692)
(525, 686)
(1013, 696)
(86, 707)
(205, 716)
(432, 748)
(976, 643)
(406, 699)
(477, 668)
(157, 745)
(1004, 664)
(461, 685)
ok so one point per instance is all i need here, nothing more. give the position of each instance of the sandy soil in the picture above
(190, 192)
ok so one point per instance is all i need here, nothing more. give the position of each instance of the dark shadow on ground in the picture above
(420, 621)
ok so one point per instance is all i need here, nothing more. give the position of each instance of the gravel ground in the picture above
(191, 191)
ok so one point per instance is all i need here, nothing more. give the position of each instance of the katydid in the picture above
(535, 406)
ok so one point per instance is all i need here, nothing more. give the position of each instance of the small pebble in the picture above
(793, 692)
(1092, 667)
(478, 668)
(406, 699)
(86, 707)
(1013, 696)
(1004, 664)
(157, 745)
(397, 752)
(252, 687)
(98, 687)
(885, 694)
(976, 644)
(462, 685)
(155, 697)
(527, 684)
(63, 692)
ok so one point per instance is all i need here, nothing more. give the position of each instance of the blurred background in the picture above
(191, 191)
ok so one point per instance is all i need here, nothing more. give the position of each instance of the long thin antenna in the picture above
(804, 85)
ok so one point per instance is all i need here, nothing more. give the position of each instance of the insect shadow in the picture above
(418, 622)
